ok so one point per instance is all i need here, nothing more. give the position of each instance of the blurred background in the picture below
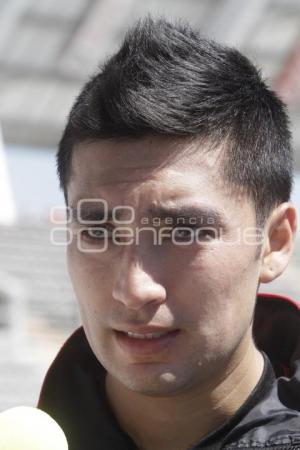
(48, 48)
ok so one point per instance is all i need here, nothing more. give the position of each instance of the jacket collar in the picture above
(73, 392)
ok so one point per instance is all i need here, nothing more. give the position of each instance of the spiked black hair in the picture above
(166, 79)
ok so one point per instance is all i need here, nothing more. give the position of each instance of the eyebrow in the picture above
(186, 214)
(201, 215)
(90, 214)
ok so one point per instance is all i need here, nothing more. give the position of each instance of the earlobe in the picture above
(267, 274)
(279, 242)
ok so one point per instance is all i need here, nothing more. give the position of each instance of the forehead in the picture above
(154, 171)
(125, 163)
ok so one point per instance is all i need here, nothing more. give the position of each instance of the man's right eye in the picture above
(94, 234)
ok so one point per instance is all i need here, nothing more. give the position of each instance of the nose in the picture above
(134, 286)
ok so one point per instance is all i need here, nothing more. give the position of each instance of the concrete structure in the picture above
(8, 213)
(37, 310)
(49, 47)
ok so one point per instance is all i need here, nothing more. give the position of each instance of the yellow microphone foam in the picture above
(26, 428)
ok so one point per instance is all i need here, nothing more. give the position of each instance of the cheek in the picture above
(225, 268)
(90, 278)
(219, 287)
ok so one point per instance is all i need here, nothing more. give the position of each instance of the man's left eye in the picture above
(194, 233)
(183, 233)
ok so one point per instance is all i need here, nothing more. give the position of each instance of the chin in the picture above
(152, 389)
(159, 383)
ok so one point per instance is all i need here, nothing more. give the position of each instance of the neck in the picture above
(188, 416)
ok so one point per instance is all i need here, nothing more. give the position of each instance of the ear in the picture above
(278, 244)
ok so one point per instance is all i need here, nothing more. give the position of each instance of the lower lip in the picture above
(144, 346)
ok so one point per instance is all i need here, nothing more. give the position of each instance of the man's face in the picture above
(200, 295)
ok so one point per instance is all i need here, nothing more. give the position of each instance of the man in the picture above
(176, 166)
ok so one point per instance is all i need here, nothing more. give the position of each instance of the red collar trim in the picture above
(283, 298)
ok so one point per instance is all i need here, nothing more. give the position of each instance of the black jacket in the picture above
(73, 392)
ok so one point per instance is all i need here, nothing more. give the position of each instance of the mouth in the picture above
(134, 335)
(145, 342)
